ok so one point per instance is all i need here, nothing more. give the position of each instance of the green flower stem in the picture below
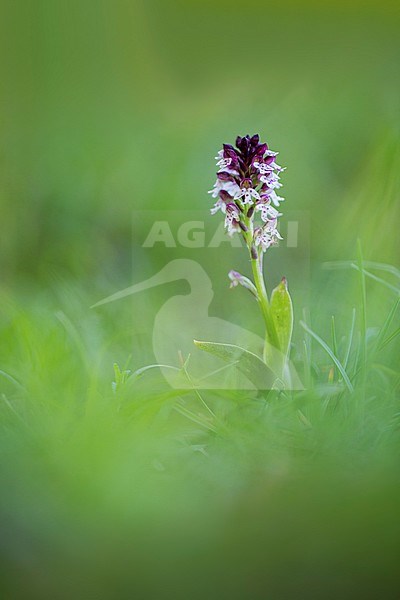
(257, 267)
(271, 337)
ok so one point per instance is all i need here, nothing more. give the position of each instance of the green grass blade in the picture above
(334, 340)
(345, 264)
(363, 291)
(334, 358)
(391, 287)
(347, 355)
(390, 338)
(387, 323)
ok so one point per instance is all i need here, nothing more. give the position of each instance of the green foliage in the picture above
(282, 313)
(121, 378)
(86, 471)
(248, 363)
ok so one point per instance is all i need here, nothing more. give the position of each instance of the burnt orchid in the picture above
(247, 178)
(245, 192)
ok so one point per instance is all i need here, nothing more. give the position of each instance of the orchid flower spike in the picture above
(245, 192)
(247, 178)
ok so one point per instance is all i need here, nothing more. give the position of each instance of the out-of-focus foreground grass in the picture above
(117, 107)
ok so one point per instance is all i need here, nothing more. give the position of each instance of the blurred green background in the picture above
(112, 107)
(108, 107)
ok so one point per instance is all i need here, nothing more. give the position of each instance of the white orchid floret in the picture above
(263, 168)
(229, 171)
(232, 228)
(219, 205)
(267, 236)
(232, 213)
(272, 180)
(232, 218)
(277, 167)
(268, 212)
(216, 189)
(231, 187)
(275, 199)
(246, 195)
(223, 163)
(228, 186)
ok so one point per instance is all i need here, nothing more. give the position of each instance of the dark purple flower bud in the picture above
(250, 212)
(254, 254)
(260, 150)
(246, 143)
(224, 176)
(235, 278)
(241, 164)
(225, 196)
(243, 226)
(255, 140)
(229, 151)
(238, 279)
(231, 157)
(243, 144)
(232, 209)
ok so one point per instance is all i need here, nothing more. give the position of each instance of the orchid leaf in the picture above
(249, 364)
(282, 313)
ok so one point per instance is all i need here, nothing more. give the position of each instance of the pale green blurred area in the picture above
(112, 107)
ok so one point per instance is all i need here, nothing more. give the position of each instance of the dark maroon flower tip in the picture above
(224, 176)
(225, 196)
(232, 154)
(241, 164)
(250, 212)
(229, 151)
(260, 150)
(255, 140)
(243, 144)
(254, 254)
